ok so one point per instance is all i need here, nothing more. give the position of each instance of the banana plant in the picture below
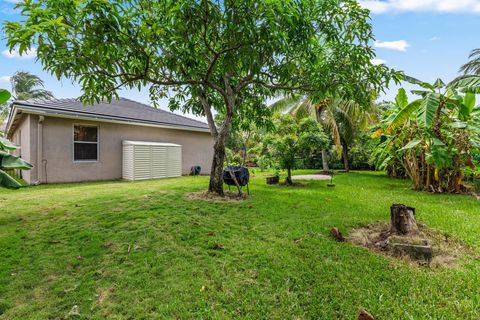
(8, 161)
(433, 135)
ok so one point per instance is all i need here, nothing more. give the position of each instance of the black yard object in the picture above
(195, 170)
(236, 176)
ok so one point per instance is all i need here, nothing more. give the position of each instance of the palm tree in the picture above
(341, 118)
(472, 67)
(26, 86)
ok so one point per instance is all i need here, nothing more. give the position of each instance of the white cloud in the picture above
(4, 79)
(399, 45)
(434, 38)
(443, 6)
(9, 10)
(378, 61)
(14, 54)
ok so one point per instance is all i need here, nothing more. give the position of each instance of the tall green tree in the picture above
(208, 56)
(28, 86)
(25, 86)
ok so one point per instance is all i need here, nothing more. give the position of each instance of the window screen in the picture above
(85, 143)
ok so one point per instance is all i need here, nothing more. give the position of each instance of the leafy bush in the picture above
(264, 162)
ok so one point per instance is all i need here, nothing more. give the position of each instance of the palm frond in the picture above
(303, 110)
(466, 84)
(26, 86)
(330, 123)
(41, 94)
(285, 104)
(472, 67)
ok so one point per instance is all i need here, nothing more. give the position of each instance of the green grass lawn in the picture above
(142, 250)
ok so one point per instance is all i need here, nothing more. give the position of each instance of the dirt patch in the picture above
(445, 251)
(103, 295)
(207, 196)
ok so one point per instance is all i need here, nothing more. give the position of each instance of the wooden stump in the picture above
(273, 179)
(402, 220)
(337, 235)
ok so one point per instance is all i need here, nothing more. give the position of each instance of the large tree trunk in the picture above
(324, 160)
(289, 177)
(402, 220)
(216, 173)
(220, 136)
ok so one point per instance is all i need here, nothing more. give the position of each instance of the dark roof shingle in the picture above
(121, 109)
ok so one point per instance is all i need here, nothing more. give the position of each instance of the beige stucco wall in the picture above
(22, 137)
(58, 166)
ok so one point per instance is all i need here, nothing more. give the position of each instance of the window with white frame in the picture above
(85, 143)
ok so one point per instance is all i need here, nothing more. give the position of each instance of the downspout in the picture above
(40, 149)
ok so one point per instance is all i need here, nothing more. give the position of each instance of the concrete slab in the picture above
(311, 177)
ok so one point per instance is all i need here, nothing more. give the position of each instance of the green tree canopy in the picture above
(206, 56)
(342, 119)
(294, 139)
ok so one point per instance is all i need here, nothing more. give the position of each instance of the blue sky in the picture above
(426, 43)
(427, 39)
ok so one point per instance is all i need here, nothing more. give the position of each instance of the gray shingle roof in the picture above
(121, 109)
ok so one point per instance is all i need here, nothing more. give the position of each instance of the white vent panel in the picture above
(151, 160)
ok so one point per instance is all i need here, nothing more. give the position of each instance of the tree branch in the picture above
(208, 114)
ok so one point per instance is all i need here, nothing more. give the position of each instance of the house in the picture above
(67, 141)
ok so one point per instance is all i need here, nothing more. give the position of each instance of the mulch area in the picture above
(208, 196)
(447, 251)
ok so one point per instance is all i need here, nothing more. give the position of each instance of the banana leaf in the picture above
(426, 112)
(420, 83)
(411, 144)
(7, 181)
(7, 145)
(8, 161)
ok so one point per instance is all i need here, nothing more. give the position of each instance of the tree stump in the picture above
(273, 179)
(402, 220)
(337, 235)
